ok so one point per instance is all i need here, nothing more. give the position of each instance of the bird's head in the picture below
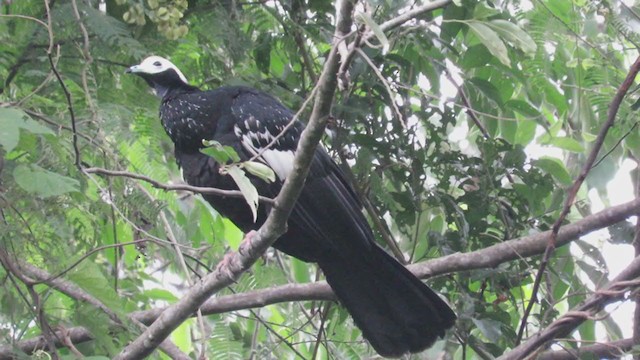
(161, 74)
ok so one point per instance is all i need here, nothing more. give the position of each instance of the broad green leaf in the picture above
(9, 134)
(526, 132)
(260, 170)
(554, 167)
(89, 276)
(475, 56)
(300, 271)
(181, 336)
(222, 153)
(246, 187)
(488, 89)
(160, 294)
(11, 121)
(567, 143)
(508, 130)
(491, 40)
(522, 107)
(489, 328)
(375, 28)
(515, 35)
(34, 179)
(588, 137)
(232, 234)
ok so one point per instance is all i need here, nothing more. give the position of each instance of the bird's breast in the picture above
(187, 123)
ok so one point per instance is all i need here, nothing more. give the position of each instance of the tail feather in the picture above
(396, 312)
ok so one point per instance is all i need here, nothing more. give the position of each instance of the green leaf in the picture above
(88, 275)
(222, 153)
(160, 294)
(34, 179)
(181, 336)
(567, 143)
(554, 167)
(475, 56)
(375, 28)
(300, 271)
(489, 328)
(522, 107)
(260, 170)
(246, 187)
(491, 40)
(526, 132)
(515, 35)
(11, 121)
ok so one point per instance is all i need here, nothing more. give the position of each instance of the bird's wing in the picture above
(263, 127)
(328, 208)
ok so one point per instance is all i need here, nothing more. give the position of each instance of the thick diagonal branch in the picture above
(274, 226)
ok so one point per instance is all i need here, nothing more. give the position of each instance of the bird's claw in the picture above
(223, 266)
(245, 244)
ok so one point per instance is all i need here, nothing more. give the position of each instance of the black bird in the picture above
(396, 312)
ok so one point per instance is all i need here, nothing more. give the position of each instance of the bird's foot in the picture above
(245, 244)
(223, 266)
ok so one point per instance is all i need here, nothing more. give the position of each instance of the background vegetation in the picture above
(464, 127)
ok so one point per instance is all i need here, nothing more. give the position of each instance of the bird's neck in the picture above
(165, 92)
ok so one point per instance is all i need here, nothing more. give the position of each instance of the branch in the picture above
(274, 226)
(486, 258)
(350, 49)
(573, 191)
(74, 335)
(563, 326)
(168, 187)
(411, 14)
(612, 350)
(525, 246)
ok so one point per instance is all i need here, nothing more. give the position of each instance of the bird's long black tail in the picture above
(395, 311)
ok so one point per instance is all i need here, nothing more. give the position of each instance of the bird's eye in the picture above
(157, 63)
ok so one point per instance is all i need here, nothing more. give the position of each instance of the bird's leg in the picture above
(224, 264)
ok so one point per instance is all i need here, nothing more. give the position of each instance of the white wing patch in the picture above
(280, 161)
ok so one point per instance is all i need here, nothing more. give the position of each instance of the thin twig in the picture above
(67, 95)
(386, 85)
(168, 187)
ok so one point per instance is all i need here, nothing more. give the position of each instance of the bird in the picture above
(396, 312)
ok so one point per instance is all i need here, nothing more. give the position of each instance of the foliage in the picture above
(439, 139)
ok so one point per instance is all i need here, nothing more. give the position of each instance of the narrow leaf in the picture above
(491, 40)
(377, 31)
(249, 191)
(260, 170)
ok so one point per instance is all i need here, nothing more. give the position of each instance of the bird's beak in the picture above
(133, 69)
